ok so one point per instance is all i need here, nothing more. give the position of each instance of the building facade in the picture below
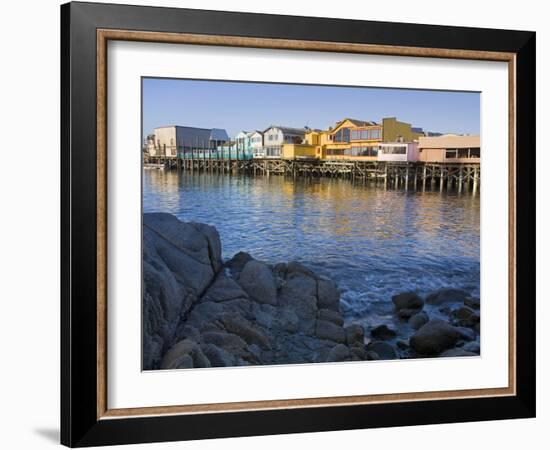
(398, 152)
(248, 143)
(450, 148)
(275, 137)
(352, 139)
(182, 141)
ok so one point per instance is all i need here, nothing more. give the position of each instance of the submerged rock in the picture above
(418, 320)
(383, 332)
(407, 304)
(472, 302)
(447, 295)
(382, 349)
(465, 317)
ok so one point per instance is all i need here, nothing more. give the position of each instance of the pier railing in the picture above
(461, 176)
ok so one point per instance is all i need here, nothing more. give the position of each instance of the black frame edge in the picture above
(79, 425)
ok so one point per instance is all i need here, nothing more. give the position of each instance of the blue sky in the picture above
(238, 106)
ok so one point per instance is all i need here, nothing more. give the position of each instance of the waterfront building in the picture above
(149, 145)
(248, 143)
(275, 137)
(352, 139)
(256, 142)
(227, 150)
(182, 141)
(398, 152)
(449, 148)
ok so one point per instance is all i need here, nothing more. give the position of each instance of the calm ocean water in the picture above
(373, 242)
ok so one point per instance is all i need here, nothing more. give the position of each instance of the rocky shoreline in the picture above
(199, 311)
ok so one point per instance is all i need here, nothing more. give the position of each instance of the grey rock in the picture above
(331, 315)
(258, 282)
(245, 329)
(229, 341)
(472, 302)
(217, 356)
(328, 295)
(195, 314)
(383, 332)
(224, 289)
(383, 349)
(359, 351)
(407, 304)
(465, 316)
(354, 334)
(401, 344)
(446, 295)
(372, 356)
(338, 353)
(330, 331)
(434, 337)
(454, 352)
(418, 320)
(237, 263)
(466, 333)
(295, 267)
(183, 355)
(179, 263)
(472, 347)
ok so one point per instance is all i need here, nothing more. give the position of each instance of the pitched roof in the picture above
(288, 130)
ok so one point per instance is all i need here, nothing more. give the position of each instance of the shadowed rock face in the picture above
(198, 313)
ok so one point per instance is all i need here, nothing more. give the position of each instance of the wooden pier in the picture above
(417, 175)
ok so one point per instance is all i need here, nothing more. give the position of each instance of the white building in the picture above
(275, 136)
(398, 151)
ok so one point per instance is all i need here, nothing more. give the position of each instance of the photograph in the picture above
(300, 223)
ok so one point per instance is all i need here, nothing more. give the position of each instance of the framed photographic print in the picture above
(277, 224)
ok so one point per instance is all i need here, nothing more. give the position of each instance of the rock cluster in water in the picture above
(454, 332)
(201, 312)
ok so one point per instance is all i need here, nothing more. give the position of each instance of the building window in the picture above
(342, 135)
(397, 150)
(451, 153)
(375, 134)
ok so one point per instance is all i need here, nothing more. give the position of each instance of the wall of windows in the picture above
(361, 151)
(453, 153)
(395, 150)
(365, 135)
(342, 135)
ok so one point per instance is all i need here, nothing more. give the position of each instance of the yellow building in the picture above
(301, 151)
(351, 139)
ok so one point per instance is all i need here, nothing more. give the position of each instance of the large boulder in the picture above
(454, 352)
(447, 295)
(407, 304)
(418, 320)
(465, 317)
(382, 349)
(331, 331)
(199, 313)
(355, 334)
(184, 355)
(180, 261)
(383, 332)
(434, 337)
(258, 282)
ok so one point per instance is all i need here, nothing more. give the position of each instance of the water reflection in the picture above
(373, 242)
